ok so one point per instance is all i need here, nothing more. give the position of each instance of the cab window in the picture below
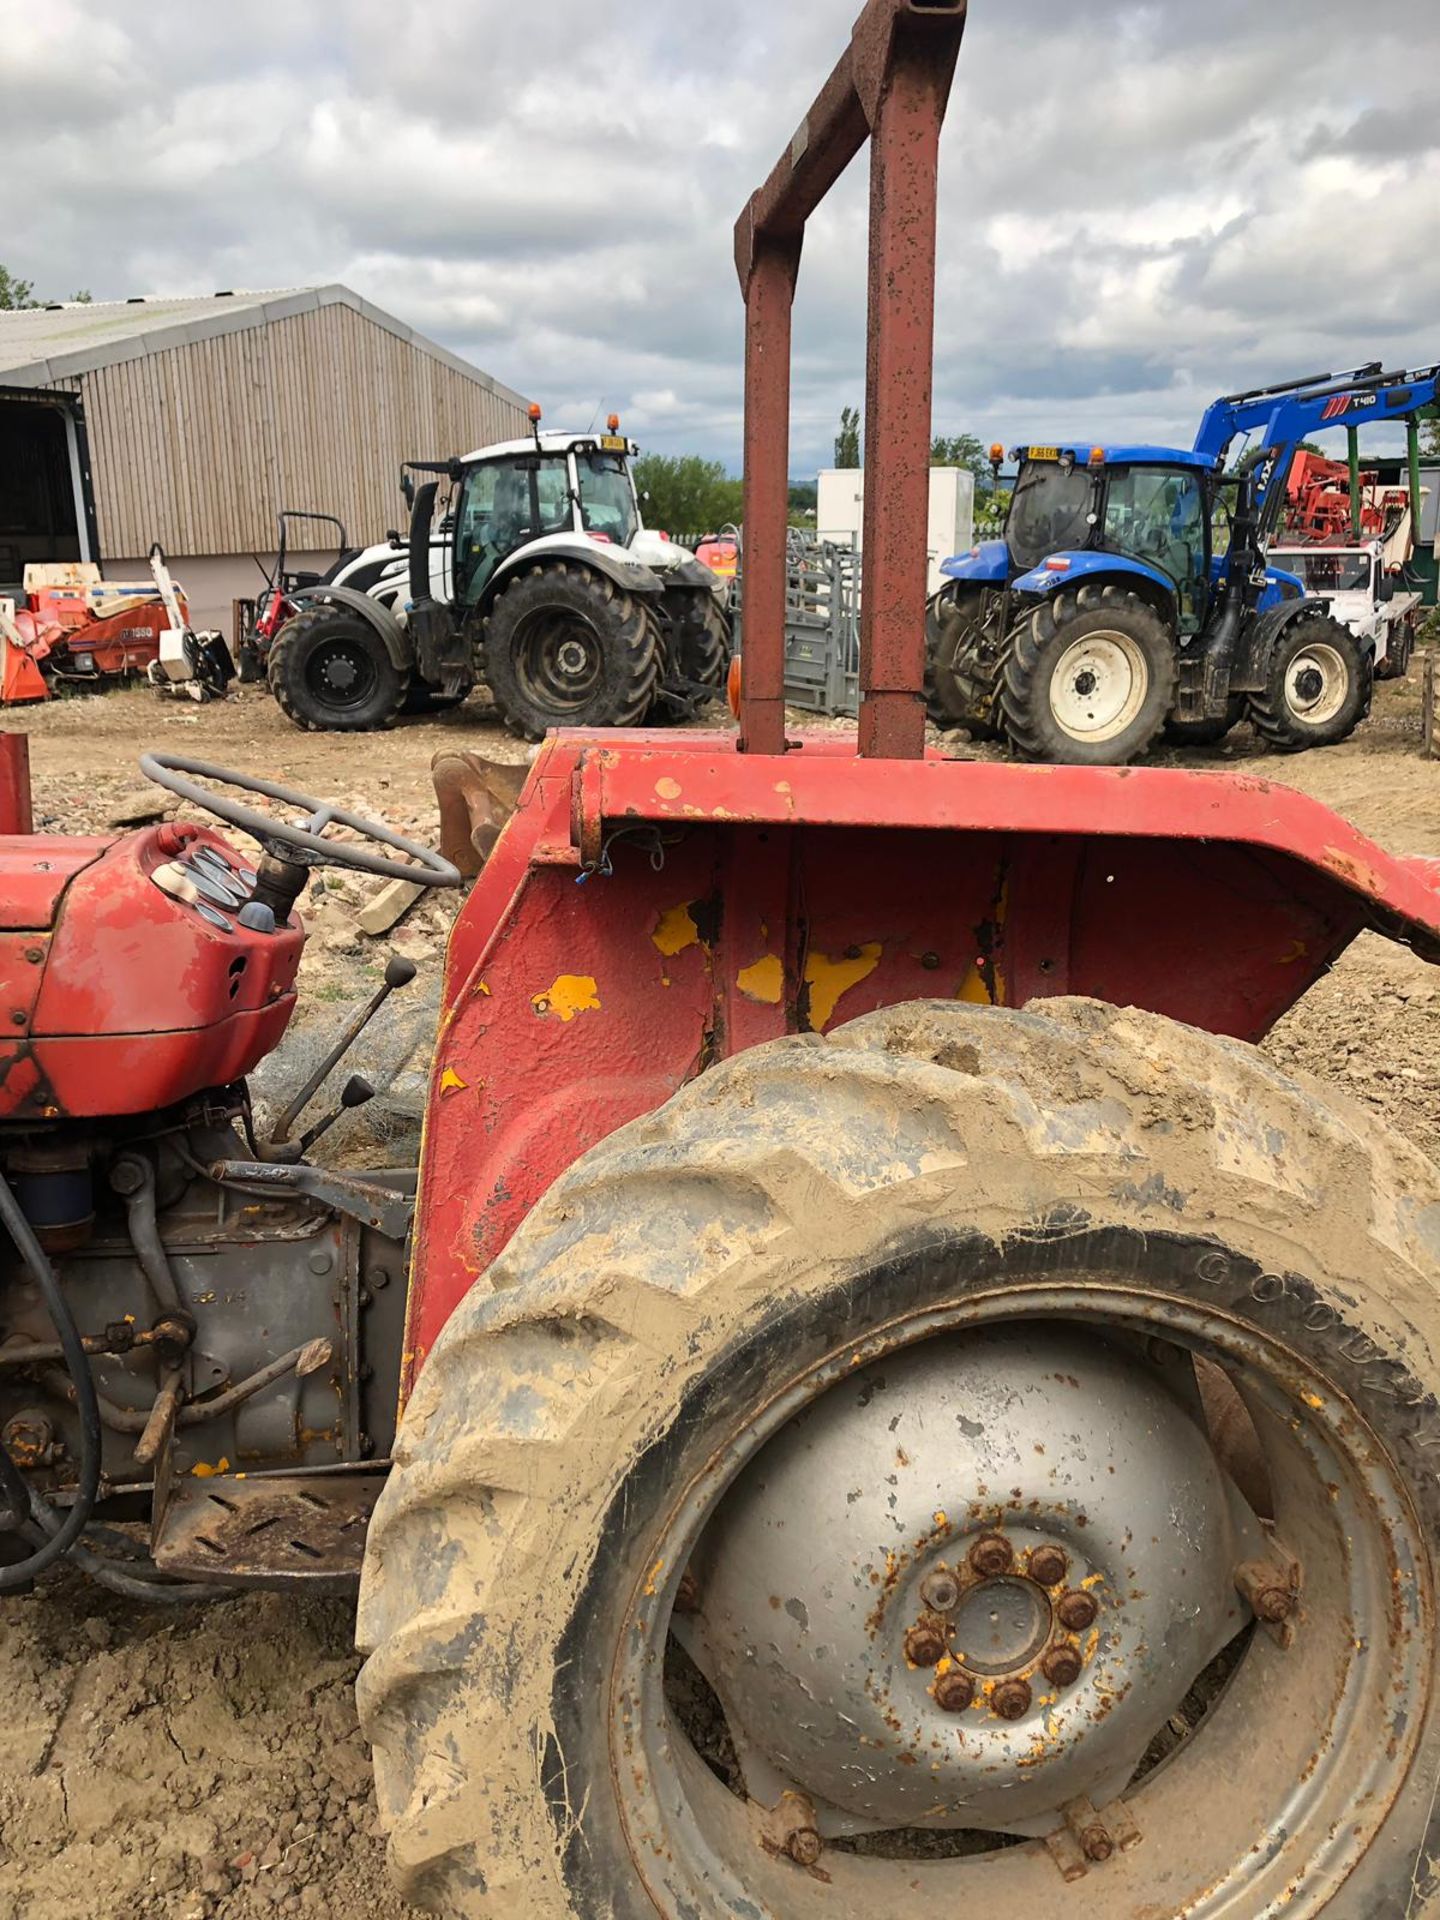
(1158, 514)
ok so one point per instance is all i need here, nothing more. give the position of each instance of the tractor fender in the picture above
(1078, 569)
(396, 642)
(986, 565)
(1263, 635)
(689, 573)
(1280, 589)
(614, 562)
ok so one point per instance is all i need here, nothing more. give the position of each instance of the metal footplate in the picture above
(268, 1530)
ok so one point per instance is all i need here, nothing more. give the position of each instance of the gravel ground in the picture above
(178, 1766)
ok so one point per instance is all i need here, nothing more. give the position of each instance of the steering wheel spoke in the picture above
(300, 845)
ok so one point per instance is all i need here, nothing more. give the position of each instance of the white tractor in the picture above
(1360, 584)
(540, 578)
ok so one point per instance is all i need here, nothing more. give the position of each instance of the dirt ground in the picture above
(159, 1765)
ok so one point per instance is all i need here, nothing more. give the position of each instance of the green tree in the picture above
(1430, 432)
(847, 441)
(16, 294)
(684, 493)
(964, 450)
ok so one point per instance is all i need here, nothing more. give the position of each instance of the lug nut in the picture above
(1062, 1665)
(1077, 1610)
(687, 1594)
(1096, 1844)
(954, 1691)
(804, 1846)
(1273, 1604)
(941, 1592)
(992, 1554)
(1049, 1566)
(925, 1644)
(1011, 1699)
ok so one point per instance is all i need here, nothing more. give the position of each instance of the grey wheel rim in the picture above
(1307, 1744)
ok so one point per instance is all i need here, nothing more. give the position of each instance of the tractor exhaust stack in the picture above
(891, 87)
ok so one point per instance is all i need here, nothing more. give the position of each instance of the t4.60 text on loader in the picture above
(904, 1411)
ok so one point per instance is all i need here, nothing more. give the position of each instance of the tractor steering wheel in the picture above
(302, 846)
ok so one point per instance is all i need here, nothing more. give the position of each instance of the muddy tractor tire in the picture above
(891, 1395)
(1318, 689)
(950, 620)
(695, 654)
(563, 646)
(330, 673)
(1090, 679)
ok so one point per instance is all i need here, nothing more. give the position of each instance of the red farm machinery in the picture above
(902, 1410)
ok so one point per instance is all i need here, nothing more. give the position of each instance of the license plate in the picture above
(1044, 453)
(614, 443)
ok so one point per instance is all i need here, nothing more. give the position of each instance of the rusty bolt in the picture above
(1096, 1844)
(992, 1554)
(1062, 1665)
(1049, 1565)
(18, 1017)
(941, 1592)
(1011, 1699)
(1262, 1586)
(1077, 1610)
(28, 1438)
(804, 1846)
(687, 1594)
(925, 1644)
(954, 1691)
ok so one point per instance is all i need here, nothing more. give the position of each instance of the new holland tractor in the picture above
(902, 1410)
(540, 579)
(1131, 593)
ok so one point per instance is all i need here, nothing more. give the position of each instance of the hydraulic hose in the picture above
(155, 1589)
(67, 1531)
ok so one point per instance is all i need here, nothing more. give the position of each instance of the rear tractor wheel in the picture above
(565, 647)
(987, 1448)
(1318, 689)
(1090, 679)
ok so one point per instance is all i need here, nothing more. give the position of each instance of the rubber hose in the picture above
(87, 1405)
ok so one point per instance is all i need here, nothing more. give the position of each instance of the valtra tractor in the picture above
(904, 1411)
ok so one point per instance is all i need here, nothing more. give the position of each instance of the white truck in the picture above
(1364, 593)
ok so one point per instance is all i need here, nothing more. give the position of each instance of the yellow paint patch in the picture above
(572, 993)
(480, 987)
(973, 989)
(668, 789)
(202, 1470)
(763, 981)
(677, 930)
(829, 979)
(450, 1081)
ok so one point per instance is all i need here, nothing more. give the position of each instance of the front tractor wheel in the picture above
(330, 673)
(982, 1448)
(565, 647)
(1089, 680)
(1318, 689)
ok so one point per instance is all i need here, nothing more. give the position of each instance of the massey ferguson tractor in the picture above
(902, 1410)
(540, 579)
(1131, 593)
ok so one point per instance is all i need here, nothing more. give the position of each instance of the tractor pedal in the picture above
(267, 1530)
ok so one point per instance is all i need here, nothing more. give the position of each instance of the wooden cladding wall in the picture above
(199, 447)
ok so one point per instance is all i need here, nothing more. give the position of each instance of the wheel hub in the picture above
(1098, 686)
(572, 658)
(1316, 683)
(966, 1587)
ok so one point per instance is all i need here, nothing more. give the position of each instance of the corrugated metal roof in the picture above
(39, 345)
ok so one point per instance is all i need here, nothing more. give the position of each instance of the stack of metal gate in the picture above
(822, 624)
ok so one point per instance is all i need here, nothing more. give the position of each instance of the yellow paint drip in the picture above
(572, 993)
(677, 930)
(764, 981)
(202, 1470)
(450, 1081)
(829, 979)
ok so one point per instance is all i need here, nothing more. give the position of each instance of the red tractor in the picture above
(904, 1410)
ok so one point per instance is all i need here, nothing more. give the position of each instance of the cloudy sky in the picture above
(1142, 204)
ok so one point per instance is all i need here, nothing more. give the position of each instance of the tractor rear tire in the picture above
(949, 618)
(330, 673)
(1318, 689)
(1090, 679)
(695, 649)
(563, 646)
(790, 1240)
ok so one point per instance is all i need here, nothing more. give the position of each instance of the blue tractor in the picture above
(1131, 593)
